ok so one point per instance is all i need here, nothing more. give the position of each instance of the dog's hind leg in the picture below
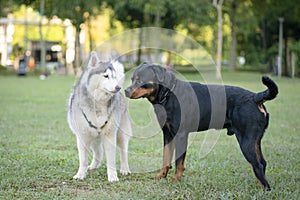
(124, 134)
(97, 150)
(249, 149)
(260, 155)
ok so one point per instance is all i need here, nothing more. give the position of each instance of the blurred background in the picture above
(55, 36)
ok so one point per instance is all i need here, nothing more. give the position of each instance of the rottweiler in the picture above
(182, 107)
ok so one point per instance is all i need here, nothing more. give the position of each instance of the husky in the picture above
(98, 116)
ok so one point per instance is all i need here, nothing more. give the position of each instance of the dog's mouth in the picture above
(113, 91)
(117, 89)
(136, 93)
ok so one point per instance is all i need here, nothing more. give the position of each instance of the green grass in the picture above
(38, 153)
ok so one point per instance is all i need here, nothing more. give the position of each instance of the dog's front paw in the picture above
(80, 176)
(112, 176)
(176, 178)
(125, 171)
(161, 175)
(93, 166)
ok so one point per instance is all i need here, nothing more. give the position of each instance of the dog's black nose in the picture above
(128, 92)
(117, 88)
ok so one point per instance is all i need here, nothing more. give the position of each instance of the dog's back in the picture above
(211, 98)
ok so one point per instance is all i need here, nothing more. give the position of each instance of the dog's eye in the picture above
(147, 86)
(105, 75)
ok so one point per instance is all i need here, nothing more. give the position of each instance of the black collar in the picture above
(164, 98)
(92, 125)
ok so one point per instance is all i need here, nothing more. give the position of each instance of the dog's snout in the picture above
(117, 88)
(128, 92)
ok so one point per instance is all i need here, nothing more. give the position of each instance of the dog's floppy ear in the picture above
(159, 72)
(93, 59)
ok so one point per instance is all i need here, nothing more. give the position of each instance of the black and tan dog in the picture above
(183, 107)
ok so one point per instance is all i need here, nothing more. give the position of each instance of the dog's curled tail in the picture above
(268, 94)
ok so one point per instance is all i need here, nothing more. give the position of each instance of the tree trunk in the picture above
(287, 63)
(156, 24)
(293, 64)
(264, 39)
(218, 5)
(233, 58)
(279, 62)
(90, 34)
(77, 50)
(42, 42)
(140, 46)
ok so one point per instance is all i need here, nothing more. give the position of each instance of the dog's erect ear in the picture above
(93, 59)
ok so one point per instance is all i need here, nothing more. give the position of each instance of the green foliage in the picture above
(38, 154)
(256, 26)
(265, 36)
(6, 7)
(50, 32)
(77, 11)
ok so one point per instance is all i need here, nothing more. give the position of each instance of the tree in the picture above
(162, 13)
(6, 7)
(76, 11)
(42, 42)
(218, 5)
(138, 14)
(233, 4)
(269, 25)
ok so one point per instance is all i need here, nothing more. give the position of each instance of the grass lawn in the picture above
(38, 153)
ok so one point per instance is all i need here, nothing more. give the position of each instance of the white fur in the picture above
(104, 107)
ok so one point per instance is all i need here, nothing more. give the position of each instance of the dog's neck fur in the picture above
(161, 93)
(97, 112)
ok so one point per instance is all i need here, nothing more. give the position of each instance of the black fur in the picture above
(184, 107)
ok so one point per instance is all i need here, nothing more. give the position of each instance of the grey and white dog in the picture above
(98, 116)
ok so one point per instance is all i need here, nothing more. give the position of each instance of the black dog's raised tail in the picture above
(268, 94)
